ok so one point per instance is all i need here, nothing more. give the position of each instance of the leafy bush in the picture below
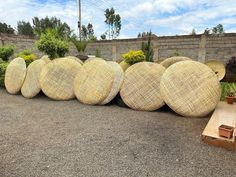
(80, 45)
(6, 52)
(133, 57)
(98, 53)
(52, 44)
(27, 55)
(226, 88)
(147, 48)
(3, 67)
(231, 65)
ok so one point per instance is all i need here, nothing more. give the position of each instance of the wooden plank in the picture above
(223, 114)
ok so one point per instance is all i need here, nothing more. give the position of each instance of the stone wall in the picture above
(198, 47)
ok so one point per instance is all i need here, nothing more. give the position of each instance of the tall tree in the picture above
(147, 48)
(87, 32)
(143, 34)
(42, 25)
(5, 28)
(24, 28)
(113, 21)
(84, 33)
(219, 29)
(103, 37)
(193, 32)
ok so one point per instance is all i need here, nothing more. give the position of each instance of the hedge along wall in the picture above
(199, 47)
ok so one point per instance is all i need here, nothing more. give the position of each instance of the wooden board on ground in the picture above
(223, 114)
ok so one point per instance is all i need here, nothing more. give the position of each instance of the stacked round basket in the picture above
(189, 88)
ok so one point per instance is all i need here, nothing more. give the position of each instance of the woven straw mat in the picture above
(15, 75)
(118, 80)
(75, 58)
(31, 86)
(57, 77)
(218, 68)
(141, 86)
(45, 58)
(190, 88)
(124, 65)
(94, 82)
(172, 60)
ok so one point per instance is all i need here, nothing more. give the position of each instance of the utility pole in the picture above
(79, 22)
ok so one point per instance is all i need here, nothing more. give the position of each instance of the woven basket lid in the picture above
(94, 81)
(190, 88)
(15, 75)
(93, 58)
(31, 86)
(45, 58)
(118, 80)
(172, 60)
(218, 68)
(75, 58)
(57, 77)
(124, 65)
(141, 87)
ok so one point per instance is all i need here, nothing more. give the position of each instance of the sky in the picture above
(162, 17)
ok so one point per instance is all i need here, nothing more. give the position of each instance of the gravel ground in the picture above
(44, 138)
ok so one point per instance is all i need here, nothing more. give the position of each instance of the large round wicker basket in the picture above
(15, 75)
(141, 87)
(190, 88)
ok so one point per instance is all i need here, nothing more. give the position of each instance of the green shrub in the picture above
(52, 44)
(226, 88)
(98, 53)
(3, 67)
(6, 52)
(133, 57)
(27, 55)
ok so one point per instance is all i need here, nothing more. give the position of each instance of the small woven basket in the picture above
(217, 67)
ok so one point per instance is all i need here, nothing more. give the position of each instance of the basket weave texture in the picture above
(31, 86)
(57, 77)
(190, 88)
(45, 58)
(94, 81)
(172, 60)
(141, 86)
(218, 68)
(75, 58)
(93, 58)
(15, 75)
(118, 80)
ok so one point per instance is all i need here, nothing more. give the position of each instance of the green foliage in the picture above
(5, 28)
(193, 32)
(52, 44)
(147, 49)
(24, 28)
(143, 34)
(80, 45)
(113, 20)
(219, 29)
(6, 52)
(133, 57)
(226, 89)
(3, 67)
(98, 53)
(27, 55)
(42, 25)
(87, 33)
(103, 37)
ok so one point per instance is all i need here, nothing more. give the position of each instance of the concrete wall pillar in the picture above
(202, 49)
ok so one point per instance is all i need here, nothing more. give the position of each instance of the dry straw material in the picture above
(141, 86)
(15, 75)
(94, 82)
(172, 60)
(93, 58)
(75, 58)
(118, 80)
(57, 77)
(218, 68)
(31, 86)
(190, 88)
(124, 65)
(45, 58)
